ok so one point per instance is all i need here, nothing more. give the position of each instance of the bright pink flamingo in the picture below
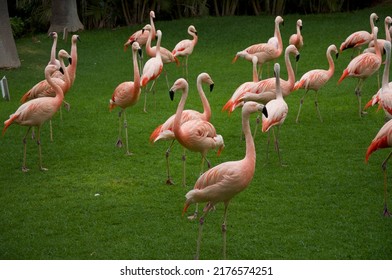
(357, 39)
(126, 95)
(222, 182)
(141, 35)
(362, 67)
(277, 111)
(264, 51)
(152, 69)
(382, 140)
(165, 130)
(264, 90)
(166, 55)
(185, 47)
(194, 135)
(316, 79)
(35, 112)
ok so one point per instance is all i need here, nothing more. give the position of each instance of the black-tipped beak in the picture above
(264, 111)
(337, 55)
(70, 60)
(140, 52)
(196, 33)
(78, 38)
(300, 28)
(171, 94)
(283, 23)
(61, 70)
(211, 87)
(143, 30)
(297, 57)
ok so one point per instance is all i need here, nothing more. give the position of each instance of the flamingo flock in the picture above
(192, 129)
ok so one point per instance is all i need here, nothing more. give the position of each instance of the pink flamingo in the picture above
(297, 40)
(277, 111)
(316, 79)
(385, 94)
(357, 39)
(264, 90)
(382, 140)
(380, 42)
(165, 130)
(152, 69)
(53, 59)
(222, 182)
(35, 112)
(141, 36)
(194, 135)
(362, 67)
(166, 55)
(126, 95)
(185, 47)
(264, 51)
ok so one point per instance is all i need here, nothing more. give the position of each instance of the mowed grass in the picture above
(95, 202)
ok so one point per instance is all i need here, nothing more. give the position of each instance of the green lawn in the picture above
(95, 202)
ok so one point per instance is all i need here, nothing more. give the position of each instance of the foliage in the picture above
(17, 26)
(96, 203)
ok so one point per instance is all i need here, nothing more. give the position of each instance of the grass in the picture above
(326, 204)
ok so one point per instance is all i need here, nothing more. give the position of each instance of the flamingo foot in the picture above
(67, 106)
(386, 212)
(169, 182)
(43, 169)
(128, 153)
(193, 217)
(119, 143)
(25, 169)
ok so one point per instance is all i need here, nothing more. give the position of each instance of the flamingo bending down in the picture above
(185, 47)
(126, 95)
(362, 67)
(264, 51)
(277, 112)
(165, 130)
(194, 135)
(222, 182)
(315, 79)
(382, 140)
(152, 69)
(359, 38)
(35, 112)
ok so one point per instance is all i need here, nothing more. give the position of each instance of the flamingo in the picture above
(141, 36)
(316, 79)
(277, 111)
(297, 40)
(185, 47)
(152, 69)
(35, 112)
(166, 55)
(264, 51)
(264, 90)
(165, 130)
(382, 140)
(386, 89)
(362, 67)
(222, 182)
(194, 135)
(53, 59)
(380, 42)
(126, 95)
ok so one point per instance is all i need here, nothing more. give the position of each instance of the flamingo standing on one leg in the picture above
(277, 111)
(382, 140)
(35, 112)
(195, 135)
(165, 130)
(357, 39)
(126, 95)
(152, 69)
(185, 47)
(362, 67)
(315, 79)
(297, 40)
(222, 182)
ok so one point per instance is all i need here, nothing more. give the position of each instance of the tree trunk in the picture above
(8, 52)
(65, 17)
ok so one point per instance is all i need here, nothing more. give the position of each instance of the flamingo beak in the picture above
(337, 55)
(140, 52)
(171, 94)
(70, 60)
(297, 57)
(61, 70)
(264, 111)
(211, 87)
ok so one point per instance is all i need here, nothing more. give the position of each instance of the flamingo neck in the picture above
(136, 75)
(67, 78)
(298, 31)
(385, 77)
(387, 33)
(371, 23)
(158, 48)
(177, 119)
(290, 71)
(250, 155)
(58, 99)
(72, 66)
(378, 52)
(148, 45)
(331, 69)
(279, 36)
(204, 101)
(53, 51)
(255, 75)
(152, 31)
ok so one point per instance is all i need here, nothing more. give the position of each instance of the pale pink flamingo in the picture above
(141, 35)
(264, 90)
(382, 140)
(126, 95)
(264, 51)
(194, 135)
(385, 94)
(357, 39)
(165, 130)
(152, 69)
(316, 79)
(166, 55)
(35, 112)
(53, 51)
(362, 67)
(380, 42)
(185, 47)
(297, 40)
(222, 182)
(277, 111)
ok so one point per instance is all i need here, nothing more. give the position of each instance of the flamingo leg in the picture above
(24, 168)
(119, 142)
(51, 130)
(257, 125)
(224, 230)
(384, 168)
(167, 81)
(358, 94)
(201, 223)
(183, 168)
(268, 143)
(186, 67)
(300, 106)
(317, 108)
(39, 150)
(277, 145)
(169, 181)
(126, 134)
(67, 106)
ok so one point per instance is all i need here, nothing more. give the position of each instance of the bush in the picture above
(17, 26)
